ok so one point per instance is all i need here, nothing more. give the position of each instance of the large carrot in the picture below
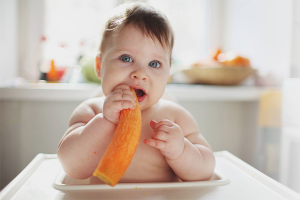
(122, 147)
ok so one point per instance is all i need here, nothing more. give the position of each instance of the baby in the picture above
(135, 52)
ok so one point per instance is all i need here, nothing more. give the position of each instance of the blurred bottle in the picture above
(43, 63)
(52, 74)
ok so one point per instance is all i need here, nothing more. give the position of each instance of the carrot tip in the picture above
(104, 178)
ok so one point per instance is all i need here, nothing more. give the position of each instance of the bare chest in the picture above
(148, 164)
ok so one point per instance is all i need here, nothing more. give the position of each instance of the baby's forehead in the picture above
(131, 36)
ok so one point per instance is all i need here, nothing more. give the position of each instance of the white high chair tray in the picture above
(64, 183)
(36, 181)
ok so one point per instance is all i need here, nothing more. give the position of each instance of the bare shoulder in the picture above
(83, 113)
(87, 110)
(181, 116)
(185, 120)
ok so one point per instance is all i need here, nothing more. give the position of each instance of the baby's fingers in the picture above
(160, 135)
(155, 143)
(122, 88)
(163, 123)
(121, 105)
(124, 97)
(129, 92)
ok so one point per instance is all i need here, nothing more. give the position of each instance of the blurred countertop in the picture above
(82, 91)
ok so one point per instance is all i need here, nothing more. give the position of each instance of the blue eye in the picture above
(125, 58)
(154, 64)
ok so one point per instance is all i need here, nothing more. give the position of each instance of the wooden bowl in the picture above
(218, 75)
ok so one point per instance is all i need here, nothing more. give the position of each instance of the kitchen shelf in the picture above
(80, 92)
(196, 92)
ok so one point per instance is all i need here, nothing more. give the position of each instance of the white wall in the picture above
(8, 47)
(8, 41)
(261, 29)
(290, 139)
(30, 23)
(29, 128)
(258, 29)
(295, 63)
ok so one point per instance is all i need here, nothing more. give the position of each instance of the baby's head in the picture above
(145, 18)
(136, 50)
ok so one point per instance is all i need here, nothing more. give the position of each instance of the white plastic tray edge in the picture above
(10, 190)
(277, 187)
(17, 182)
(57, 184)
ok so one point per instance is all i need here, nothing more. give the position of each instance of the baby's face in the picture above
(134, 59)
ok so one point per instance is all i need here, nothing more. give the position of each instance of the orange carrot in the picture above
(122, 147)
(216, 53)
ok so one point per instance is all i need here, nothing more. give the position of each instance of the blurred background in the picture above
(236, 68)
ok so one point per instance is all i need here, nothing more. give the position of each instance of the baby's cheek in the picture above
(106, 88)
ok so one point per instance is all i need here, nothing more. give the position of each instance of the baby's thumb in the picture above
(153, 123)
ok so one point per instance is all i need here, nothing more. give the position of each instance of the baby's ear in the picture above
(98, 65)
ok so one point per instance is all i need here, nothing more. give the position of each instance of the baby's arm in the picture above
(85, 141)
(90, 132)
(185, 150)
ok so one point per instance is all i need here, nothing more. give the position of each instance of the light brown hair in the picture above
(143, 17)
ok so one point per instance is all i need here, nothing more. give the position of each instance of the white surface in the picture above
(182, 92)
(31, 27)
(290, 139)
(260, 30)
(295, 58)
(8, 40)
(197, 92)
(35, 182)
(67, 184)
(291, 103)
(49, 92)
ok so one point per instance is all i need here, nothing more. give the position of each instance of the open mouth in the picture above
(141, 95)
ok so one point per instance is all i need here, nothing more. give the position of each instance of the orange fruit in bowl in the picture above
(231, 59)
(216, 53)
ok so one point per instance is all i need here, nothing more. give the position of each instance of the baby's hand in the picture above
(167, 137)
(121, 98)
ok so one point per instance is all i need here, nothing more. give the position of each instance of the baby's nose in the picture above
(138, 75)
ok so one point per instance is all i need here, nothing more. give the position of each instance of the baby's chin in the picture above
(147, 103)
(144, 106)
